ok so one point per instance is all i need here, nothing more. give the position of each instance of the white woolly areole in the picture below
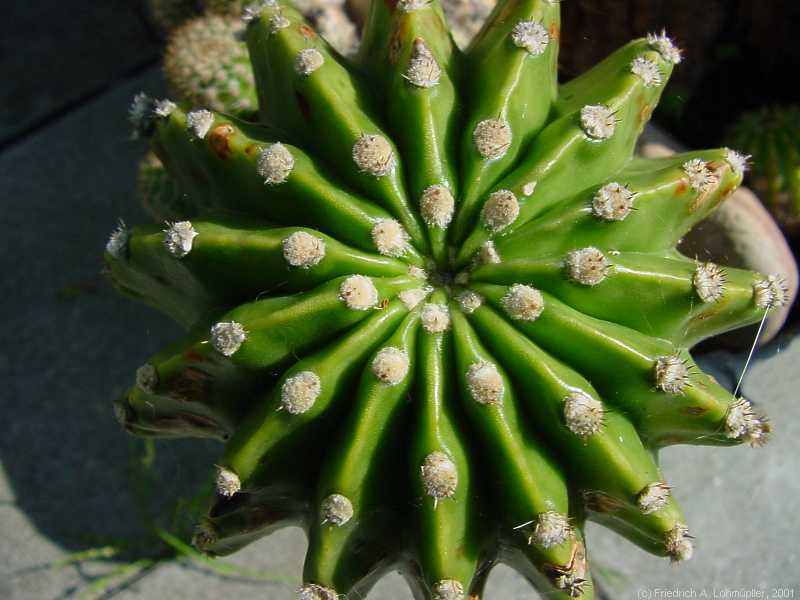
(665, 47)
(437, 206)
(550, 530)
(737, 161)
(164, 108)
(485, 383)
(336, 509)
(587, 266)
(253, 11)
(647, 70)
(500, 210)
(531, 36)
(390, 365)
(418, 273)
(678, 543)
(275, 163)
(709, 282)
(204, 536)
(227, 337)
(448, 589)
(469, 301)
(492, 138)
(278, 22)
(522, 302)
(412, 5)
(117, 243)
(583, 414)
(423, 70)
(771, 292)
(598, 121)
(374, 155)
(139, 110)
(228, 482)
(743, 423)
(299, 392)
(488, 254)
(179, 237)
(653, 497)
(411, 298)
(199, 122)
(671, 374)
(612, 202)
(307, 61)
(701, 178)
(358, 292)
(147, 378)
(435, 317)
(301, 249)
(390, 238)
(312, 591)
(439, 475)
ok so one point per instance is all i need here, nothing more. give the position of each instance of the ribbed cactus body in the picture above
(436, 312)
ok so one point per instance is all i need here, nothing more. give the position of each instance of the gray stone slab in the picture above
(53, 53)
(65, 483)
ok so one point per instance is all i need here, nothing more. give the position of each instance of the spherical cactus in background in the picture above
(206, 64)
(772, 137)
(435, 310)
(171, 14)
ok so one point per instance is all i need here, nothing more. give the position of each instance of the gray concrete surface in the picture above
(72, 345)
(54, 53)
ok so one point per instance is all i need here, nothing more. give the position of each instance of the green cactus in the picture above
(435, 310)
(206, 64)
(159, 192)
(771, 137)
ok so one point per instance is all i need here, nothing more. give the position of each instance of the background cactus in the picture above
(435, 310)
(771, 137)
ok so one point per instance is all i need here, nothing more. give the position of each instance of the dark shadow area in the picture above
(55, 55)
(73, 343)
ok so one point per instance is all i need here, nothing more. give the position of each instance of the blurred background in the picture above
(87, 512)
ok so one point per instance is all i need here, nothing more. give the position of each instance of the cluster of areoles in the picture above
(207, 64)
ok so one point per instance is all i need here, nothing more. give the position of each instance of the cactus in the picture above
(206, 64)
(435, 310)
(771, 136)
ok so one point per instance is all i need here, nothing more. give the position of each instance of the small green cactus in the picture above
(206, 64)
(435, 310)
(772, 137)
